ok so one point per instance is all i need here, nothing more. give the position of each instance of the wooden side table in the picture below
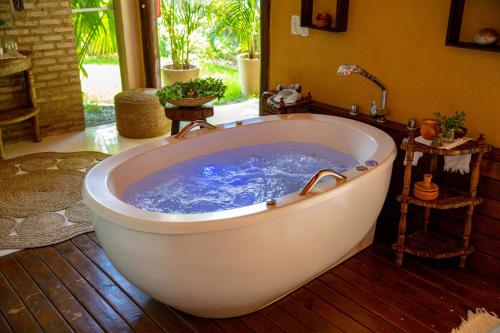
(13, 116)
(427, 243)
(178, 114)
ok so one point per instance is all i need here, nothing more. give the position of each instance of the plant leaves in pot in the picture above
(452, 127)
(180, 20)
(193, 93)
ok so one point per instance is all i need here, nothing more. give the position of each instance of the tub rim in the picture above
(100, 199)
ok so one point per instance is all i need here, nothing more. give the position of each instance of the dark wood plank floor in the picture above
(73, 287)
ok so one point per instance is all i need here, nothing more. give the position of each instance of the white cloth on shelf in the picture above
(459, 163)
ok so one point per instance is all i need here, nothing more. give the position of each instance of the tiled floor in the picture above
(105, 138)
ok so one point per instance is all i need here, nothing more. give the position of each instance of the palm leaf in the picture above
(94, 31)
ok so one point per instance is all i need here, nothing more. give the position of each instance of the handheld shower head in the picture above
(348, 69)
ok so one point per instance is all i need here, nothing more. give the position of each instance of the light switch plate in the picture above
(295, 25)
(304, 32)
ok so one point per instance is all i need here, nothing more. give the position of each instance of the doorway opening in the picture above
(97, 54)
(221, 38)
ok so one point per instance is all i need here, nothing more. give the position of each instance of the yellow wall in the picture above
(402, 43)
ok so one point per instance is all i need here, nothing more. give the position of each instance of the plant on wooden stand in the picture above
(180, 18)
(197, 90)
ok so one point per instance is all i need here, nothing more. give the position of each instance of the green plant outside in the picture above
(229, 74)
(95, 31)
(94, 60)
(242, 17)
(180, 19)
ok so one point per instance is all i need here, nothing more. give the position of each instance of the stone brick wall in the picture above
(45, 28)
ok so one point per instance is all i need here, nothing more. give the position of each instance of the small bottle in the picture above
(373, 109)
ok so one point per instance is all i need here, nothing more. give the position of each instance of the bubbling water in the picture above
(234, 178)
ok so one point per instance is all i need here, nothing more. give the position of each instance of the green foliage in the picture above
(95, 31)
(221, 44)
(2, 23)
(201, 87)
(95, 60)
(228, 74)
(450, 122)
(180, 19)
(243, 18)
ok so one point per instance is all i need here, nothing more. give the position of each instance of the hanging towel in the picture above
(459, 163)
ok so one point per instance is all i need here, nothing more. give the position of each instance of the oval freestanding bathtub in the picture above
(229, 263)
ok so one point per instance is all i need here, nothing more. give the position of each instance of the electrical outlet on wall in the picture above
(304, 32)
(295, 25)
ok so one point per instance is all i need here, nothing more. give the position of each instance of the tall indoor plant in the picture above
(180, 18)
(243, 17)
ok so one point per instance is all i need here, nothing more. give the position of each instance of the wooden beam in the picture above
(265, 48)
(150, 49)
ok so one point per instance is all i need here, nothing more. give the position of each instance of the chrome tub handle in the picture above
(341, 179)
(191, 125)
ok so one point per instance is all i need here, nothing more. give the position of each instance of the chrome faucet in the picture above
(377, 113)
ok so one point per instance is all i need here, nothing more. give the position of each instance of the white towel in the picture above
(459, 163)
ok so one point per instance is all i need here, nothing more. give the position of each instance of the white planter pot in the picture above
(169, 75)
(249, 70)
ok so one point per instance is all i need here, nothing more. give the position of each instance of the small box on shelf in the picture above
(339, 22)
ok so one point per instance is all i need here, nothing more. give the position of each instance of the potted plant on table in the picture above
(243, 18)
(180, 19)
(452, 127)
(193, 93)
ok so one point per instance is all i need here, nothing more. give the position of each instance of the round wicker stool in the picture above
(140, 115)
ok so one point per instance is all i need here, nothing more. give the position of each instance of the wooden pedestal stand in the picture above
(178, 114)
(426, 243)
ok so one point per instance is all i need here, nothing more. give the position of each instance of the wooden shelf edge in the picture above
(330, 29)
(474, 46)
(13, 116)
(442, 203)
(436, 246)
(466, 148)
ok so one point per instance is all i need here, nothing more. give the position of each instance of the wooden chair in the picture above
(12, 116)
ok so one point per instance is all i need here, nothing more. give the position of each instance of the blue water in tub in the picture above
(235, 178)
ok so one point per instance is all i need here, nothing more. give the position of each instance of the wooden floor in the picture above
(73, 287)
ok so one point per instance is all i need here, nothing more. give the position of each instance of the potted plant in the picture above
(452, 127)
(243, 18)
(180, 18)
(193, 93)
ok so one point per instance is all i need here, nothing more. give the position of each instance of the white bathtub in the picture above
(229, 263)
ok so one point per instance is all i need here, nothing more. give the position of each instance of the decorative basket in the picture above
(13, 65)
(191, 102)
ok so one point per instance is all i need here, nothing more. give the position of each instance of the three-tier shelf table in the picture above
(425, 242)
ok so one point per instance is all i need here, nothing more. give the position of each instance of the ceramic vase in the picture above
(428, 130)
(426, 189)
